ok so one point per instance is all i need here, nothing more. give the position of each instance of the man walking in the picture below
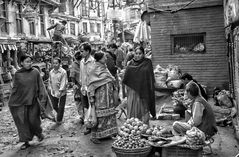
(57, 86)
(86, 65)
(75, 77)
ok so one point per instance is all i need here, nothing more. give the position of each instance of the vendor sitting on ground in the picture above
(202, 115)
(187, 78)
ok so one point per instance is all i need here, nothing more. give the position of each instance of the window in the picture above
(85, 27)
(62, 7)
(19, 19)
(102, 9)
(132, 14)
(85, 9)
(32, 28)
(71, 7)
(92, 27)
(99, 9)
(188, 43)
(42, 21)
(93, 4)
(73, 30)
(3, 13)
(98, 27)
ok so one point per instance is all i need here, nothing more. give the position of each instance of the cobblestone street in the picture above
(67, 140)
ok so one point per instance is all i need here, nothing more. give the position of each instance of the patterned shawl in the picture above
(99, 75)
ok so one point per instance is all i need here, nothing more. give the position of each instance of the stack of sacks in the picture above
(167, 78)
(173, 79)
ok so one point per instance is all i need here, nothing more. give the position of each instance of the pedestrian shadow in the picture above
(54, 126)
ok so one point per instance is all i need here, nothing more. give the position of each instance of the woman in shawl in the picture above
(102, 92)
(27, 88)
(139, 78)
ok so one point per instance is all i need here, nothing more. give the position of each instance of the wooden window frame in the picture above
(98, 27)
(132, 14)
(72, 28)
(84, 8)
(71, 8)
(62, 7)
(42, 21)
(19, 20)
(92, 27)
(4, 28)
(85, 24)
(32, 28)
(190, 35)
(99, 9)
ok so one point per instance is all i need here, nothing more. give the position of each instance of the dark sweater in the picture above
(208, 125)
(27, 86)
(111, 63)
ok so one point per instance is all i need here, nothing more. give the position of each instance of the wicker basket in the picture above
(180, 152)
(137, 152)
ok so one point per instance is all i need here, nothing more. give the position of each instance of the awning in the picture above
(4, 47)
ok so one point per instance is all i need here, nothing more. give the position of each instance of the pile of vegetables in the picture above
(133, 126)
(154, 131)
(130, 135)
(130, 142)
(178, 97)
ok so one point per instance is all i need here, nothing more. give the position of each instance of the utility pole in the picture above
(123, 35)
(114, 21)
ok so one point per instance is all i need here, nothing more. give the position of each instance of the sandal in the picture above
(40, 137)
(87, 131)
(25, 146)
(81, 121)
(95, 141)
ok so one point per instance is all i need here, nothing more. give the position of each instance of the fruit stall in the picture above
(136, 139)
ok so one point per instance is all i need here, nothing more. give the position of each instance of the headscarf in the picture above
(99, 76)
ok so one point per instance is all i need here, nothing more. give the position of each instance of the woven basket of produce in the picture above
(131, 146)
(136, 152)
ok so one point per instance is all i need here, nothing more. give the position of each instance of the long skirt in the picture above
(105, 112)
(27, 121)
(137, 107)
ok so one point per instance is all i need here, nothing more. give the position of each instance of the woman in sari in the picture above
(27, 88)
(139, 79)
(101, 91)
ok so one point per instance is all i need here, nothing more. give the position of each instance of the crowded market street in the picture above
(68, 141)
(119, 78)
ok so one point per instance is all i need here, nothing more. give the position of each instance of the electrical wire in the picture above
(171, 11)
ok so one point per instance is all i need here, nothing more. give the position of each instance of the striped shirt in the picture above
(58, 82)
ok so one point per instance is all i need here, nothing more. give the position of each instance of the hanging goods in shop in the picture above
(142, 33)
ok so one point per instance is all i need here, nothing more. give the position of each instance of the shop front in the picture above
(231, 20)
(8, 62)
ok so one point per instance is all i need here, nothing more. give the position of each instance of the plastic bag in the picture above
(223, 99)
(195, 137)
(90, 117)
(175, 83)
(173, 72)
(160, 75)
